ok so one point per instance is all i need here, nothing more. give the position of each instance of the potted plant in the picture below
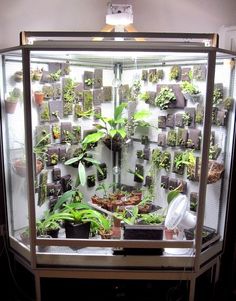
(50, 223)
(19, 167)
(40, 148)
(18, 76)
(38, 97)
(190, 91)
(105, 227)
(83, 220)
(134, 230)
(12, 100)
(36, 74)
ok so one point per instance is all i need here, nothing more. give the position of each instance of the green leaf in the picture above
(63, 198)
(77, 181)
(99, 126)
(141, 114)
(92, 138)
(112, 133)
(120, 120)
(171, 195)
(73, 160)
(82, 174)
(119, 110)
(91, 160)
(99, 169)
(122, 132)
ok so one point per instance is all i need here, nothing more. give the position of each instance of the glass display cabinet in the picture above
(117, 153)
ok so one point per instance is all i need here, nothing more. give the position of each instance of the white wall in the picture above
(149, 15)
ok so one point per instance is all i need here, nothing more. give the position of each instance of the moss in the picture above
(88, 101)
(45, 114)
(175, 72)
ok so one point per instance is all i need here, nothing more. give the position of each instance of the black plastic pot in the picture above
(77, 230)
(145, 232)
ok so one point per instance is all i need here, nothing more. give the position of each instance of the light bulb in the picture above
(116, 170)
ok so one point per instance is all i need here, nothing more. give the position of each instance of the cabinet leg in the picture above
(37, 287)
(192, 289)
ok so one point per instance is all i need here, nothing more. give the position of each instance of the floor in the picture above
(17, 284)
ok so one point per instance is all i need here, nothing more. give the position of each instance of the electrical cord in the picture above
(17, 286)
(175, 293)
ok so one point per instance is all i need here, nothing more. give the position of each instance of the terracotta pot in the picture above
(169, 234)
(137, 194)
(19, 166)
(106, 235)
(10, 107)
(38, 97)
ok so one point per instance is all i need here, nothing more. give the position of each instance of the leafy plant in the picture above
(138, 119)
(165, 97)
(128, 215)
(151, 218)
(104, 187)
(56, 132)
(228, 101)
(175, 72)
(188, 87)
(70, 196)
(144, 96)
(184, 159)
(81, 157)
(134, 90)
(161, 159)
(51, 221)
(173, 194)
(171, 138)
(55, 76)
(214, 151)
(14, 95)
(110, 127)
(36, 74)
(135, 173)
(217, 96)
(199, 117)
(69, 91)
(83, 213)
(89, 82)
(41, 147)
(187, 119)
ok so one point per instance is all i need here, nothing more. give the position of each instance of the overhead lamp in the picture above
(119, 14)
(119, 18)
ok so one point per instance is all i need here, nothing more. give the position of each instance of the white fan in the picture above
(178, 217)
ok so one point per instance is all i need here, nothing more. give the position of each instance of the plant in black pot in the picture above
(81, 216)
(85, 220)
(50, 223)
